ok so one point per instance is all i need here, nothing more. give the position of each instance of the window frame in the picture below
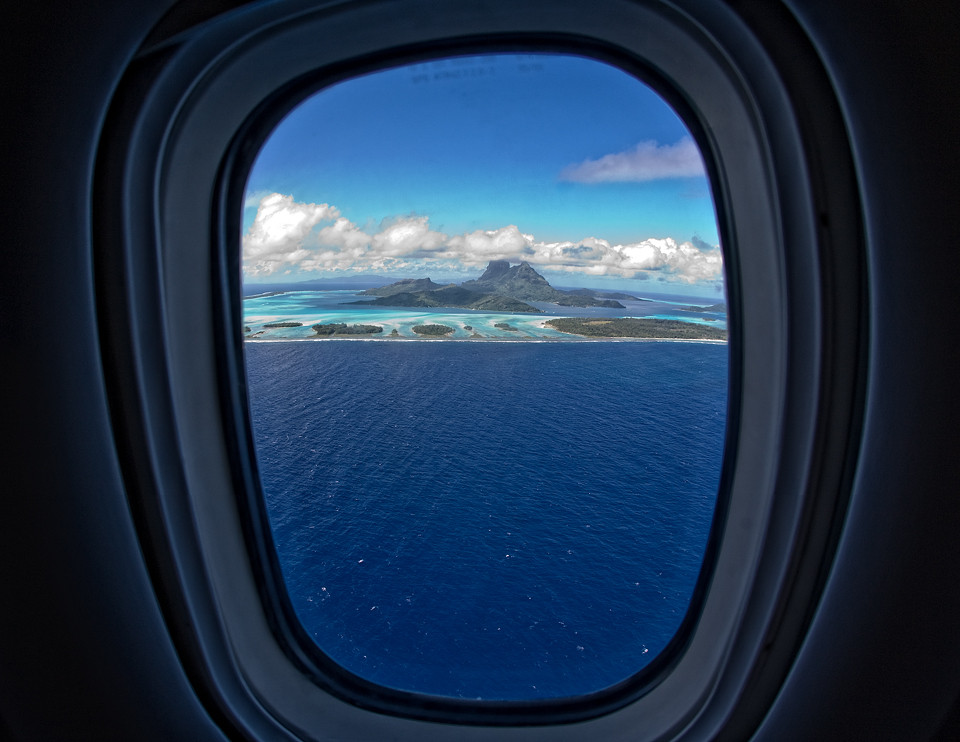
(184, 127)
(297, 642)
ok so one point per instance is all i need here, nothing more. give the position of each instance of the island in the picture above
(721, 308)
(524, 283)
(508, 289)
(588, 301)
(340, 328)
(633, 327)
(450, 296)
(605, 294)
(406, 285)
(501, 288)
(432, 330)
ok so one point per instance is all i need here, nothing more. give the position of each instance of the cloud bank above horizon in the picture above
(289, 237)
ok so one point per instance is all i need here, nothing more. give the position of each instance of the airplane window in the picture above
(485, 329)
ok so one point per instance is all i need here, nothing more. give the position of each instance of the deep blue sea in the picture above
(503, 520)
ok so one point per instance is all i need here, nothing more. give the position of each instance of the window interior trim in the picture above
(174, 362)
(298, 645)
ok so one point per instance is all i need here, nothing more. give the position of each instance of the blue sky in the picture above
(436, 168)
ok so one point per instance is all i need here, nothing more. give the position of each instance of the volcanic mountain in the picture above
(501, 288)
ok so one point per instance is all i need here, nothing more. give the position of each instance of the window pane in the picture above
(483, 478)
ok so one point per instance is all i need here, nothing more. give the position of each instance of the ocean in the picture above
(483, 519)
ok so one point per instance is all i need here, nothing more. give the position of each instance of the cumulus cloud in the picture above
(289, 236)
(646, 161)
(482, 246)
(675, 261)
(276, 237)
(407, 236)
(254, 198)
(344, 235)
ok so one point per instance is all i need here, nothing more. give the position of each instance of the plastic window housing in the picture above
(184, 127)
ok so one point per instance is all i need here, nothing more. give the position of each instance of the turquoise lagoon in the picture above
(311, 307)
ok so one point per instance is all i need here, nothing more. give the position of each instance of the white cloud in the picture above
(482, 246)
(647, 161)
(407, 236)
(675, 261)
(284, 238)
(345, 235)
(254, 198)
(275, 239)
